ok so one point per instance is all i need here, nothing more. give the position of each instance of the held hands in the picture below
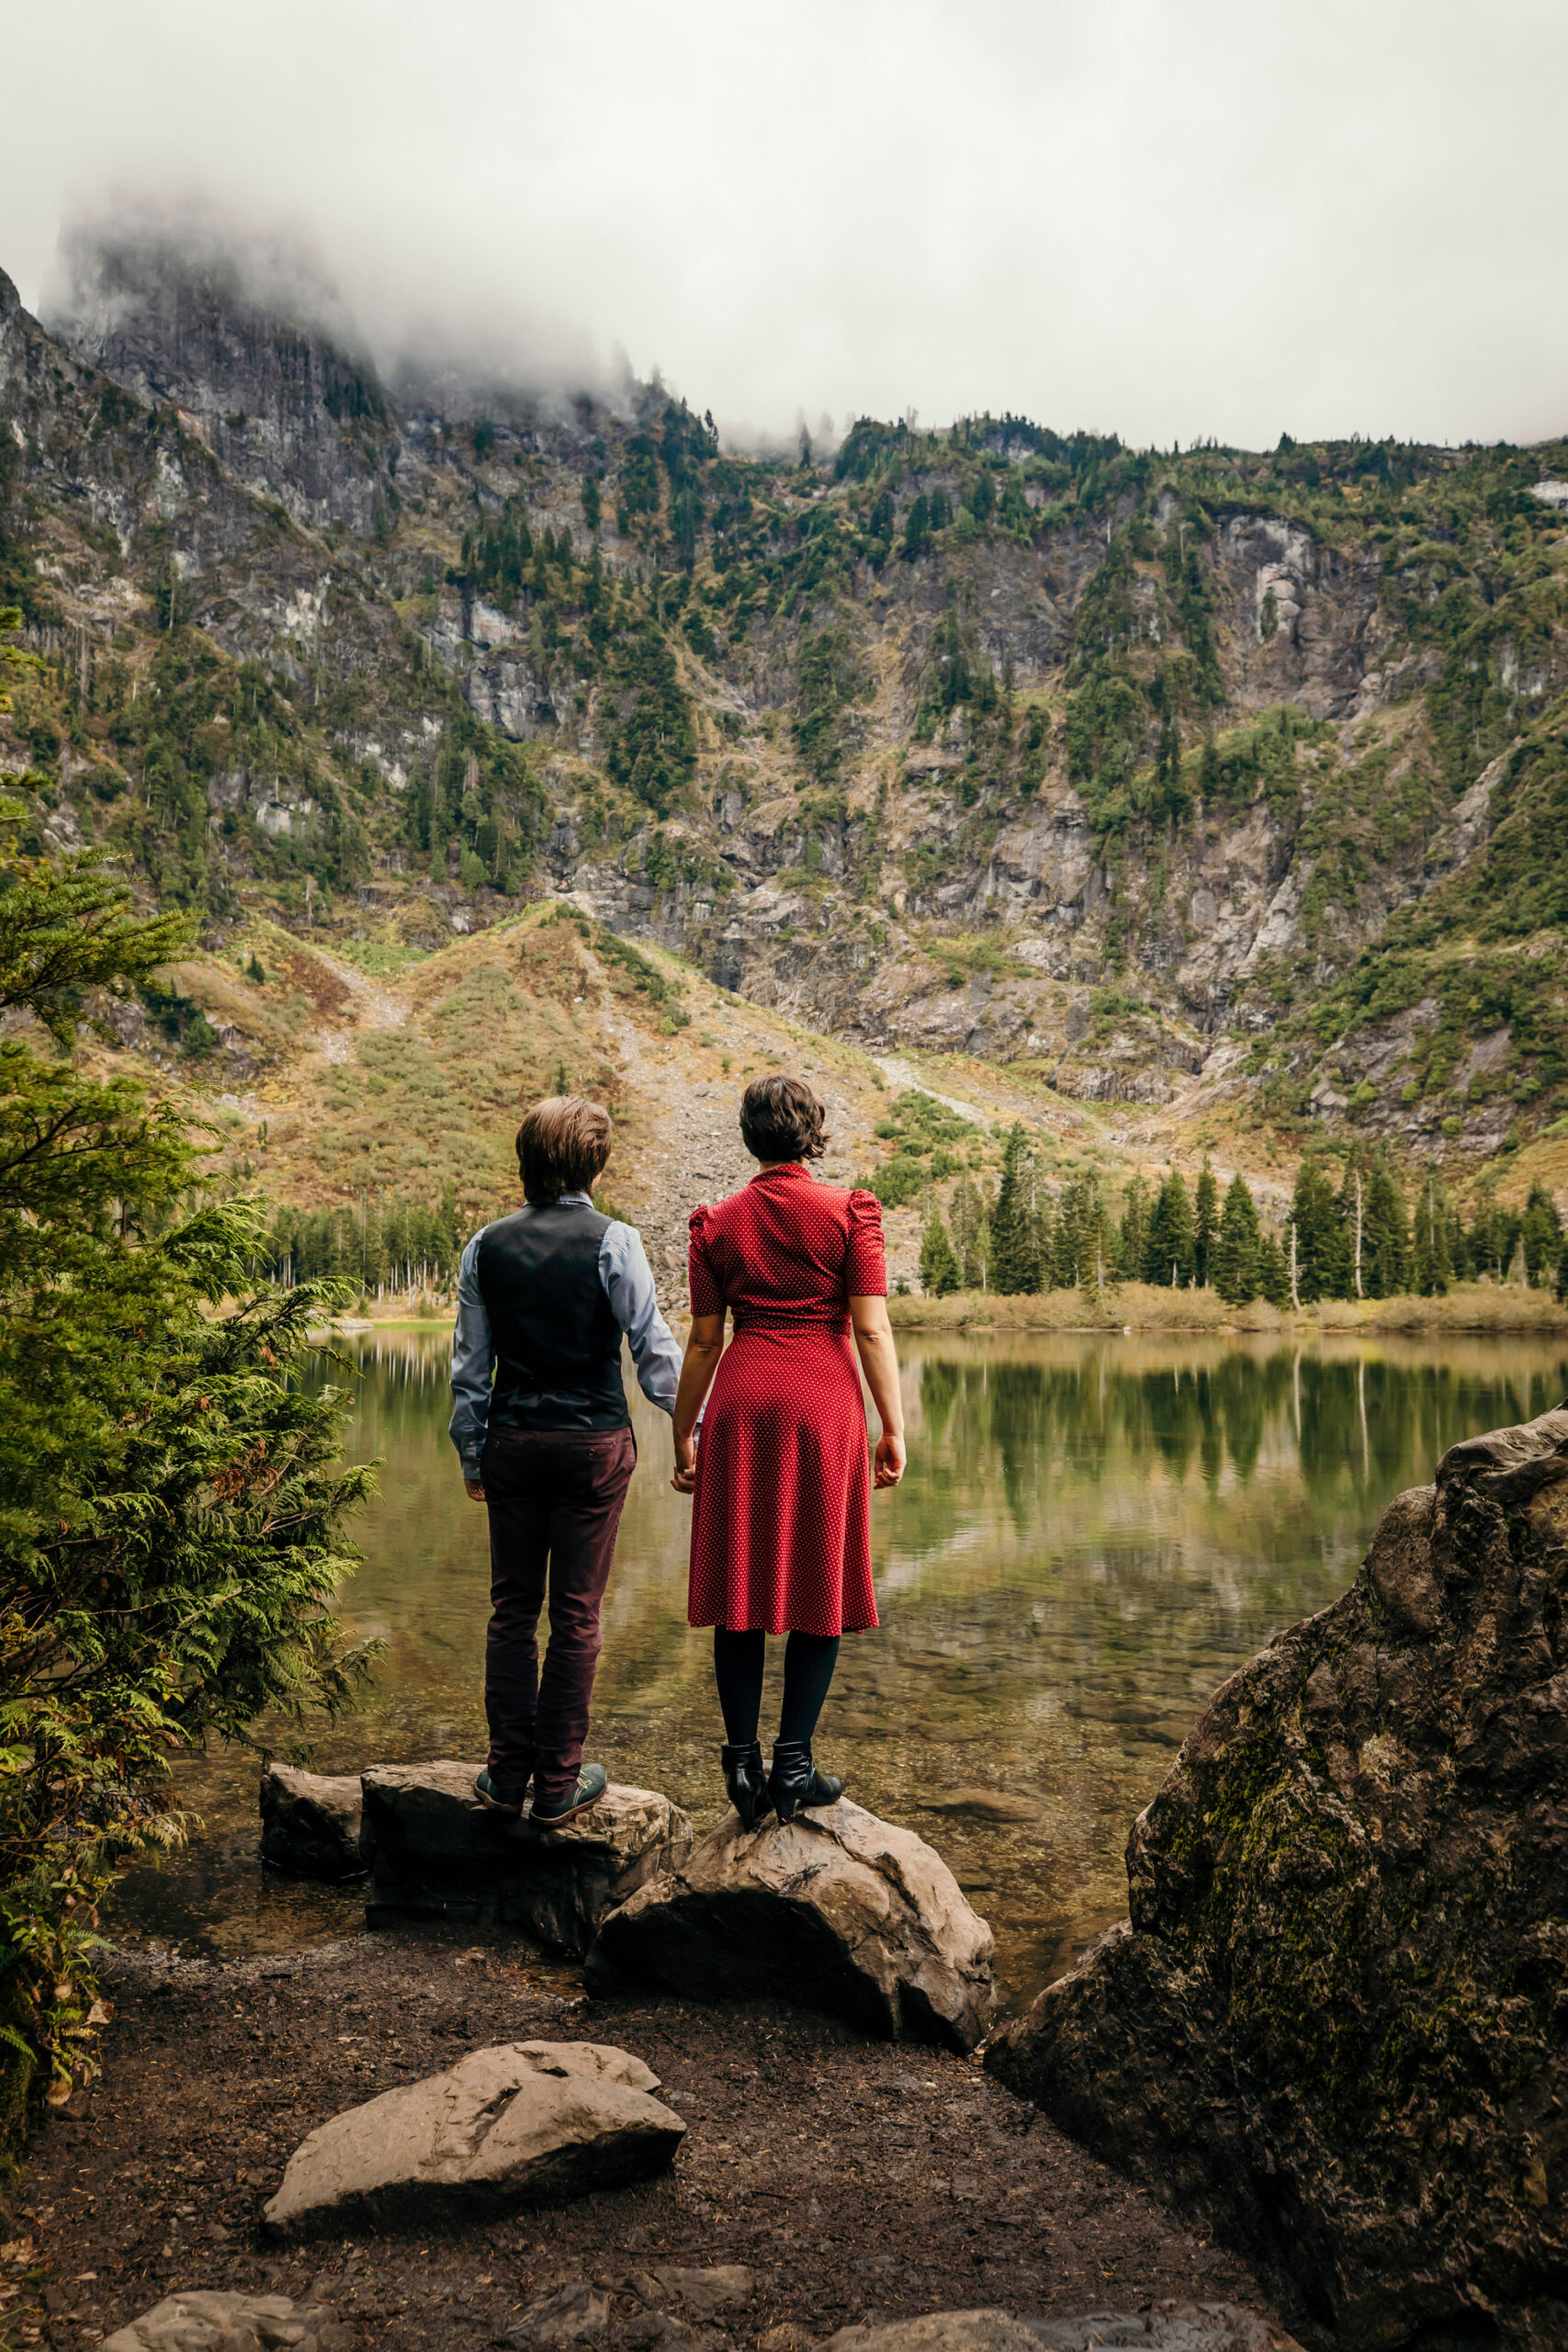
(889, 1460)
(686, 1475)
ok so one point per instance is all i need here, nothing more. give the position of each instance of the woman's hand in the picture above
(890, 1459)
(685, 1476)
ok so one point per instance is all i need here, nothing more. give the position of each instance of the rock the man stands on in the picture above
(543, 1432)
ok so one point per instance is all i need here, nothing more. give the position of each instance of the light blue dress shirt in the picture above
(627, 1282)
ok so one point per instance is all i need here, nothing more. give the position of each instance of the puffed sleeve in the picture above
(865, 1260)
(707, 1291)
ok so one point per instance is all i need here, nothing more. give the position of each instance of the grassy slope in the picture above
(1470, 577)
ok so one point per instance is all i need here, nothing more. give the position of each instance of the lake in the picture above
(1092, 1533)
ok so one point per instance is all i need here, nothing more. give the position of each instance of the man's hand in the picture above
(474, 1490)
(890, 1460)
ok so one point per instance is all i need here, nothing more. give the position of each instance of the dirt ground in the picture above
(858, 2181)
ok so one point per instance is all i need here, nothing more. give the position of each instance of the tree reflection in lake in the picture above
(1093, 1533)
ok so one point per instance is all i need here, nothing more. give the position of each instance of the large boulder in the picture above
(523, 2123)
(836, 1910)
(1338, 2018)
(310, 1822)
(436, 1852)
(202, 2321)
(1157, 2327)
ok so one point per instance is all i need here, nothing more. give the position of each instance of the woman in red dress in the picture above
(781, 1541)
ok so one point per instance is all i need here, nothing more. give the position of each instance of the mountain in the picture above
(1227, 793)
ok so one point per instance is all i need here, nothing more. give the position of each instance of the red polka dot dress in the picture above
(781, 1535)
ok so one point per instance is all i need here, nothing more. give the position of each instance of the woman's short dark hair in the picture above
(782, 1119)
(562, 1145)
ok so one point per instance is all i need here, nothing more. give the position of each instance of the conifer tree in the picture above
(1205, 1226)
(1082, 1254)
(1015, 1267)
(971, 1233)
(1431, 1263)
(1046, 1227)
(1385, 1236)
(169, 1544)
(939, 1266)
(1322, 1254)
(1133, 1231)
(1238, 1246)
(1167, 1244)
(1562, 1283)
(1540, 1231)
(1273, 1274)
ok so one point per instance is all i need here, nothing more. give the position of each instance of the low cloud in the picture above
(1173, 222)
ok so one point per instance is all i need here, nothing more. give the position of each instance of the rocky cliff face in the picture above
(1337, 2020)
(1115, 766)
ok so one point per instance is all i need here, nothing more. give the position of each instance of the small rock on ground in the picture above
(198, 2321)
(1161, 2328)
(575, 2313)
(522, 2123)
(310, 1822)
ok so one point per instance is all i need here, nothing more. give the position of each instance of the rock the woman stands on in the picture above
(780, 1540)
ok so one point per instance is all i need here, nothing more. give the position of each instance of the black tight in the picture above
(809, 1660)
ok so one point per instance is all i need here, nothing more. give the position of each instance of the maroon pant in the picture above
(554, 1498)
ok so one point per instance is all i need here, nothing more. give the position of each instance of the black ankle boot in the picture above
(795, 1782)
(747, 1781)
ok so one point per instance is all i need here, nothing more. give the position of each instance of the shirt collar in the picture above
(570, 1201)
(785, 1168)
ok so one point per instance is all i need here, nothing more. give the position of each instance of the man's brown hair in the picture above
(562, 1145)
(781, 1119)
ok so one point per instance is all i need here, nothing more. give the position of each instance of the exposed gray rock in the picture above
(575, 2313)
(198, 2321)
(1337, 2019)
(437, 1852)
(836, 1910)
(522, 2123)
(1167, 2327)
(1158, 2327)
(700, 2292)
(578, 2312)
(310, 1822)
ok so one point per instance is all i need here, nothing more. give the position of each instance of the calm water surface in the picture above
(1092, 1533)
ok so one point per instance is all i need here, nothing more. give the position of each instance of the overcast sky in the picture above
(1166, 218)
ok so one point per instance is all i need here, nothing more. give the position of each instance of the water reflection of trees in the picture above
(1355, 1429)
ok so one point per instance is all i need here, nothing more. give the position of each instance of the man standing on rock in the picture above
(544, 1435)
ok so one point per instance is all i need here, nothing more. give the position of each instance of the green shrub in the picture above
(169, 1538)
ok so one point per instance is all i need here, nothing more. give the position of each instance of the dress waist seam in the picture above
(838, 1326)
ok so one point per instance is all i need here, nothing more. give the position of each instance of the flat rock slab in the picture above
(203, 2322)
(835, 1910)
(576, 2313)
(310, 1822)
(437, 1853)
(524, 2123)
(700, 2292)
(1159, 2327)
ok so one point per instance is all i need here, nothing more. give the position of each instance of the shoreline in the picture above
(859, 2181)
(1469, 1309)
(1139, 1307)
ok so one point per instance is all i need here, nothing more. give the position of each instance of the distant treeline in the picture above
(399, 1246)
(1359, 1237)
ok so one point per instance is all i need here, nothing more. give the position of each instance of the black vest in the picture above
(558, 1346)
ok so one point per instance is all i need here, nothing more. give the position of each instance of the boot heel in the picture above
(795, 1782)
(746, 1781)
